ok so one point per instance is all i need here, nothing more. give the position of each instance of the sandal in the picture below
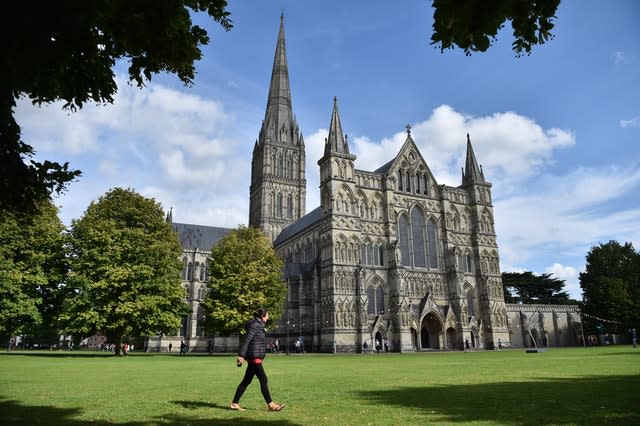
(236, 407)
(276, 407)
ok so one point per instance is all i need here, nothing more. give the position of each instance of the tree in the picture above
(526, 287)
(32, 268)
(611, 287)
(66, 52)
(473, 25)
(244, 274)
(125, 270)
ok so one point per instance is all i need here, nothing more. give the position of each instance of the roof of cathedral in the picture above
(297, 226)
(384, 169)
(199, 236)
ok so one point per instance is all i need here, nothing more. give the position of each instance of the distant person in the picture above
(386, 344)
(634, 338)
(467, 347)
(499, 344)
(170, 346)
(377, 346)
(183, 348)
(298, 346)
(365, 347)
(253, 350)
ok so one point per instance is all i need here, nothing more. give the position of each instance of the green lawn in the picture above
(584, 386)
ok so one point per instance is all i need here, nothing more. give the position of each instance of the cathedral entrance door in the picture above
(431, 332)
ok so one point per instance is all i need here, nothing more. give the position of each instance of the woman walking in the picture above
(253, 350)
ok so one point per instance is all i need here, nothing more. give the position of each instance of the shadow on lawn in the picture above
(13, 413)
(591, 400)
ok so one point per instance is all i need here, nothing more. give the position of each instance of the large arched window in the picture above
(417, 232)
(418, 243)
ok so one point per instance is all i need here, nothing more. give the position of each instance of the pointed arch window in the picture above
(375, 300)
(408, 177)
(289, 206)
(432, 244)
(279, 205)
(418, 178)
(470, 309)
(190, 272)
(425, 187)
(400, 181)
(418, 243)
(184, 268)
(403, 231)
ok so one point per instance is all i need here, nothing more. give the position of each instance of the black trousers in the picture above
(253, 370)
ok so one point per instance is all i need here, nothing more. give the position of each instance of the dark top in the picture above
(255, 342)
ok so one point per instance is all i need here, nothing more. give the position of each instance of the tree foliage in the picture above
(125, 270)
(611, 287)
(473, 25)
(526, 287)
(244, 274)
(32, 268)
(66, 51)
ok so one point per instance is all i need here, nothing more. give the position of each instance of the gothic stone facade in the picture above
(392, 255)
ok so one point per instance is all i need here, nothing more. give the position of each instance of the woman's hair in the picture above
(260, 312)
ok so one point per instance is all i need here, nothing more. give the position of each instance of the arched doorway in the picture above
(431, 332)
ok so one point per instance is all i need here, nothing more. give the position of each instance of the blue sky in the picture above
(557, 132)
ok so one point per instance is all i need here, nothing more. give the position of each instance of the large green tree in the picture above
(244, 274)
(125, 270)
(611, 287)
(32, 268)
(66, 51)
(526, 287)
(473, 25)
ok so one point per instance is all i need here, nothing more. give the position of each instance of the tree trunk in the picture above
(118, 348)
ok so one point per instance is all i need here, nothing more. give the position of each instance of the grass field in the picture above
(582, 386)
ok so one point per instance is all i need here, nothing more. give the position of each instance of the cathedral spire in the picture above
(279, 124)
(472, 173)
(337, 140)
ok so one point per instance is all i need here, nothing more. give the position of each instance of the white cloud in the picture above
(157, 136)
(508, 145)
(570, 275)
(634, 122)
(567, 210)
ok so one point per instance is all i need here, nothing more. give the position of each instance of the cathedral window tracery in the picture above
(418, 243)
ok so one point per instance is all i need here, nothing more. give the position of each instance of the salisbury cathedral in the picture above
(390, 255)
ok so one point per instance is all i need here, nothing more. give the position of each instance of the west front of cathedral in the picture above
(390, 255)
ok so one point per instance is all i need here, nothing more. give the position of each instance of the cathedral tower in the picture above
(278, 185)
